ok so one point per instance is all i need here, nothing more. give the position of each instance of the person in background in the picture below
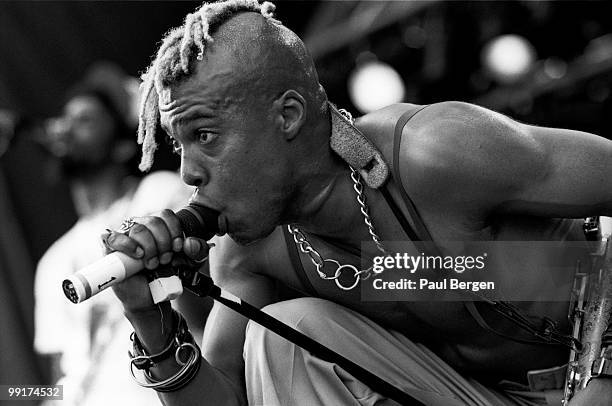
(94, 142)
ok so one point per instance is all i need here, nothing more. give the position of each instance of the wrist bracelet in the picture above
(181, 341)
(142, 360)
(182, 377)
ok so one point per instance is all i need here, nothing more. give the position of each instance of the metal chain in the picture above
(358, 187)
(315, 257)
(509, 311)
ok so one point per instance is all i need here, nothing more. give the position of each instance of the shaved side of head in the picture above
(266, 60)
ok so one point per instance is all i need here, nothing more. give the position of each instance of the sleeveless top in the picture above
(417, 232)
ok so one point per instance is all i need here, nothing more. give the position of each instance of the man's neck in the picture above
(97, 191)
(324, 202)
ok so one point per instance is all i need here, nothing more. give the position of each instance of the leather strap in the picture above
(294, 256)
(420, 228)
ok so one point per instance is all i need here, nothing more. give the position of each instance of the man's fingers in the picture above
(143, 235)
(104, 239)
(195, 249)
(174, 228)
(154, 239)
(116, 241)
(134, 292)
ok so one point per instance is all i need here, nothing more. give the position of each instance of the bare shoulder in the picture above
(452, 132)
(459, 122)
(379, 125)
(444, 119)
(456, 152)
(383, 121)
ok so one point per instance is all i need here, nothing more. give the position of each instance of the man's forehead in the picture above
(178, 106)
(170, 106)
(210, 80)
(177, 99)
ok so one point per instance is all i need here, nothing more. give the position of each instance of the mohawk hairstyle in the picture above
(176, 56)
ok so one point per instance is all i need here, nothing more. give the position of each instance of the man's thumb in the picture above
(195, 248)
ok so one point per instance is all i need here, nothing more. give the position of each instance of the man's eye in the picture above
(205, 137)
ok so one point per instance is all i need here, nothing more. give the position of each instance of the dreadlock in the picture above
(176, 56)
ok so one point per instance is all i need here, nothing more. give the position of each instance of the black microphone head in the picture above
(198, 221)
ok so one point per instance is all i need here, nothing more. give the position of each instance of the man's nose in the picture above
(192, 173)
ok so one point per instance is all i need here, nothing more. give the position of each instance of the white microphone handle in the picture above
(102, 274)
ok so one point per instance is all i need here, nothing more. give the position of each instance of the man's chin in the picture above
(247, 237)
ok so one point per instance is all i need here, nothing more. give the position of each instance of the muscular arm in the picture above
(575, 178)
(482, 162)
(233, 268)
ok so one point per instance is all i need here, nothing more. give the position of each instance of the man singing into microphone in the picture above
(239, 96)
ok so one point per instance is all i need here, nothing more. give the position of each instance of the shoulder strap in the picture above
(412, 235)
(418, 232)
(419, 226)
(423, 246)
(294, 256)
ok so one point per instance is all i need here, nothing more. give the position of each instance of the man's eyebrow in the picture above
(191, 114)
(196, 114)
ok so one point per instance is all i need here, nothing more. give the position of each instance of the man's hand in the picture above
(597, 393)
(158, 241)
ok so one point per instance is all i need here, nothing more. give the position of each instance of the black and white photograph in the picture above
(304, 203)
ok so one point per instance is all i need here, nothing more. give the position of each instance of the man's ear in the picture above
(290, 113)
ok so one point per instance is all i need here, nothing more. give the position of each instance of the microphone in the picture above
(196, 221)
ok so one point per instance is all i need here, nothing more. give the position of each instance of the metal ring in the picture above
(105, 239)
(322, 274)
(365, 273)
(315, 257)
(177, 354)
(355, 275)
(127, 225)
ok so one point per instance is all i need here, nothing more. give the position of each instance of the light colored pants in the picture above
(281, 373)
